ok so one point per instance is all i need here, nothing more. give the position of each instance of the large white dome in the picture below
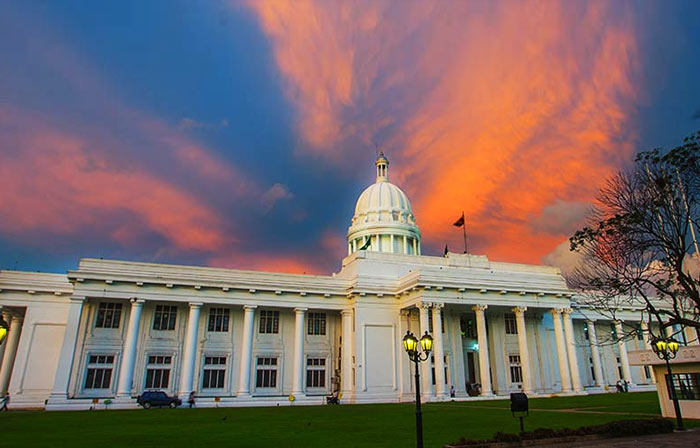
(383, 217)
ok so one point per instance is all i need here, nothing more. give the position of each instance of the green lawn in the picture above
(308, 426)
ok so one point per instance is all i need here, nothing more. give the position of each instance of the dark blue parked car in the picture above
(158, 398)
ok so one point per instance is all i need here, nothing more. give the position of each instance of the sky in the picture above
(240, 133)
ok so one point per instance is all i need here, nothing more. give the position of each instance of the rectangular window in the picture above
(158, 372)
(639, 332)
(214, 372)
(466, 325)
(218, 320)
(315, 372)
(613, 332)
(585, 331)
(687, 385)
(266, 373)
(164, 318)
(511, 326)
(108, 315)
(516, 372)
(269, 322)
(317, 323)
(99, 372)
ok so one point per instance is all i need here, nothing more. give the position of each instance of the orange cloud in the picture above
(60, 183)
(498, 109)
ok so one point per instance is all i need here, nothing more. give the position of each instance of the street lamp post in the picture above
(410, 344)
(666, 349)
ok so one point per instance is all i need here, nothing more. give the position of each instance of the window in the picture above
(266, 375)
(590, 361)
(687, 385)
(218, 320)
(315, 372)
(99, 372)
(466, 325)
(214, 372)
(430, 321)
(165, 317)
(516, 370)
(619, 367)
(317, 323)
(511, 326)
(158, 372)
(585, 330)
(108, 315)
(613, 332)
(639, 332)
(269, 322)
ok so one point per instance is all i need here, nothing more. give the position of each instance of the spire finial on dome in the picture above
(382, 164)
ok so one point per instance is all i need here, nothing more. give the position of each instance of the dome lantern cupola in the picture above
(382, 164)
(383, 220)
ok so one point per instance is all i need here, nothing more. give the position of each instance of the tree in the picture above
(639, 246)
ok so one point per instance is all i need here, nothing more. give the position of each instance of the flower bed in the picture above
(548, 436)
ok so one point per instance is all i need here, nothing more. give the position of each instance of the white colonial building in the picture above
(112, 329)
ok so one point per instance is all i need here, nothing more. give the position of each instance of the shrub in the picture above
(620, 428)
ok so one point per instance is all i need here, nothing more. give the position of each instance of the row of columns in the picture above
(564, 337)
(353, 246)
(130, 348)
(622, 348)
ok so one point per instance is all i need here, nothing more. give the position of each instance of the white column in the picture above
(67, 354)
(690, 336)
(646, 335)
(246, 349)
(426, 375)
(10, 352)
(622, 346)
(415, 246)
(391, 239)
(189, 354)
(484, 365)
(405, 245)
(523, 348)
(346, 372)
(561, 351)
(126, 371)
(439, 351)
(571, 349)
(595, 354)
(298, 379)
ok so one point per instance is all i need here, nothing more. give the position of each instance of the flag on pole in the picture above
(460, 223)
(446, 251)
(367, 244)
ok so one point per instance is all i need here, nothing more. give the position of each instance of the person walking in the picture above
(190, 400)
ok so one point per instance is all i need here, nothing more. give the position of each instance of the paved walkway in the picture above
(685, 439)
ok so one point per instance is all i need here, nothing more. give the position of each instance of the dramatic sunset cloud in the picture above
(240, 133)
(500, 109)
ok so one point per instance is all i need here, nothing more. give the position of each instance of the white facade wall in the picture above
(381, 295)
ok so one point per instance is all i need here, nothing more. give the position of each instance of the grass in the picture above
(311, 426)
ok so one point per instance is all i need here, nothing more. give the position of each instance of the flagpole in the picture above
(464, 229)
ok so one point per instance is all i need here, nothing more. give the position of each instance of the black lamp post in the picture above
(410, 344)
(4, 328)
(666, 349)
